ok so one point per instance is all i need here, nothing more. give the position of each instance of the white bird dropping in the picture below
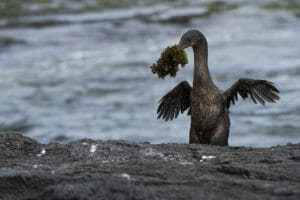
(43, 151)
(93, 148)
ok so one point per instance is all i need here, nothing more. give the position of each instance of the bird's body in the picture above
(208, 105)
(209, 117)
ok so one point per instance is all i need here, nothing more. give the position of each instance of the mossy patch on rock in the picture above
(169, 60)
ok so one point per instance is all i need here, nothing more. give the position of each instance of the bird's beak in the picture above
(183, 45)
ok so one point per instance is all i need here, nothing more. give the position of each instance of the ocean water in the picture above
(87, 75)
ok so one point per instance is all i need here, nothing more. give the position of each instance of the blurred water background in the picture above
(80, 69)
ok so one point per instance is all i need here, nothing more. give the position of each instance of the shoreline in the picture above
(88, 169)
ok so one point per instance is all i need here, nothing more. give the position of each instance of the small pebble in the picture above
(126, 176)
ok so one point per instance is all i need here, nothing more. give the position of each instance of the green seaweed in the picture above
(169, 60)
(19, 8)
(34, 24)
(215, 7)
(8, 41)
(272, 6)
(288, 5)
(37, 1)
(13, 9)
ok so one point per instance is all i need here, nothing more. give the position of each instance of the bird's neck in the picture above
(201, 72)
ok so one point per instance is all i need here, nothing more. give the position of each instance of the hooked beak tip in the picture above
(182, 45)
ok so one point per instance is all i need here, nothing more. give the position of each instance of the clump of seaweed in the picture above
(168, 62)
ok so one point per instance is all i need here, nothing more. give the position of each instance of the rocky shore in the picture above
(87, 169)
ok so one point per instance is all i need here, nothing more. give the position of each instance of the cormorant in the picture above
(208, 105)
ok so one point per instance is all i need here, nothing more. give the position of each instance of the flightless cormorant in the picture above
(207, 104)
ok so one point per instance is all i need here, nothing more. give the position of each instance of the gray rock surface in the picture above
(87, 169)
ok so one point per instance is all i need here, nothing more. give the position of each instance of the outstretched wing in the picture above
(178, 99)
(258, 90)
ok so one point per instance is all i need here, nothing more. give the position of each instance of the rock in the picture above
(87, 169)
(9, 41)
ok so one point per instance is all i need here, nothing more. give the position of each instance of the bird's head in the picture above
(191, 38)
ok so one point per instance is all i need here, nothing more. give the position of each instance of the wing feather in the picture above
(174, 102)
(258, 90)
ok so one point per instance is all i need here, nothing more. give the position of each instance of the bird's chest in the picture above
(206, 104)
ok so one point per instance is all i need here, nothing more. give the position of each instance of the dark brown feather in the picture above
(258, 90)
(175, 101)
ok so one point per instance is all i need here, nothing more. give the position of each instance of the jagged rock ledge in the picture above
(87, 169)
